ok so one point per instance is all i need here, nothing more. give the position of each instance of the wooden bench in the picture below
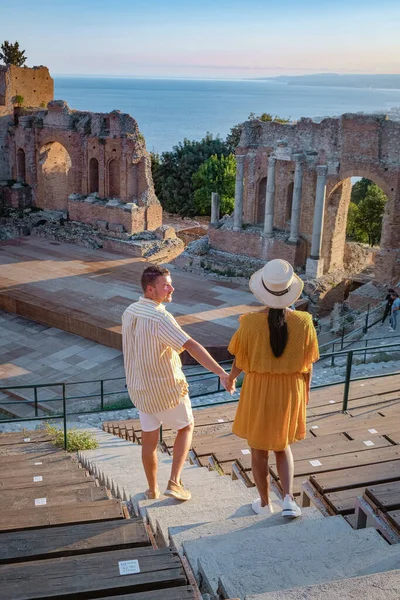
(12, 482)
(55, 496)
(92, 575)
(72, 540)
(379, 506)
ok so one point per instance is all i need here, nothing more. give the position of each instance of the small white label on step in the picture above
(314, 426)
(128, 567)
(372, 431)
(221, 421)
(37, 478)
(40, 501)
(246, 451)
(315, 463)
(362, 384)
(369, 443)
(27, 439)
(38, 463)
(331, 402)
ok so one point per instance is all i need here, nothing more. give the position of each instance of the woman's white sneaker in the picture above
(262, 510)
(290, 508)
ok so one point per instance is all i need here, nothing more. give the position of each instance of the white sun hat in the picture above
(276, 285)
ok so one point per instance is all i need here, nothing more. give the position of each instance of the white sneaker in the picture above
(391, 329)
(290, 508)
(262, 510)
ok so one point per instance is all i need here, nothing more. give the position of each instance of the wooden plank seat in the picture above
(32, 437)
(55, 496)
(51, 455)
(45, 516)
(92, 575)
(21, 469)
(386, 496)
(71, 540)
(343, 502)
(366, 475)
(186, 592)
(50, 478)
(22, 449)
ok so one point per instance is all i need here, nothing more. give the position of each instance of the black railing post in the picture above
(65, 416)
(366, 320)
(349, 364)
(160, 434)
(218, 384)
(333, 358)
(102, 394)
(341, 344)
(365, 351)
(36, 400)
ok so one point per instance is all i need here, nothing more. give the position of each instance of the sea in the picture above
(170, 110)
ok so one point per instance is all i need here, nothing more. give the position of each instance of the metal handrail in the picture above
(347, 381)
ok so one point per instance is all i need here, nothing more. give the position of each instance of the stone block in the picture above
(117, 227)
(103, 225)
(314, 268)
(165, 232)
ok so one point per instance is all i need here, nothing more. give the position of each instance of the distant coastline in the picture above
(383, 82)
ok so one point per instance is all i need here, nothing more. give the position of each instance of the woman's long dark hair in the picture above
(278, 331)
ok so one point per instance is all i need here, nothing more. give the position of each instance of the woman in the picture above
(275, 348)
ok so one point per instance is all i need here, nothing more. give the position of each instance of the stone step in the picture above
(379, 586)
(277, 558)
(185, 533)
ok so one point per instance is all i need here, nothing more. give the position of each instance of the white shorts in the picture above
(176, 418)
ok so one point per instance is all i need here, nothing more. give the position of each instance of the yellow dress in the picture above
(272, 408)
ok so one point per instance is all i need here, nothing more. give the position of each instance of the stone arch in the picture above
(336, 212)
(54, 175)
(114, 188)
(289, 202)
(93, 175)
(21, 166)
(260, 207)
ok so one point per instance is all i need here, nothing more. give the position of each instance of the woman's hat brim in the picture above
(265, 297)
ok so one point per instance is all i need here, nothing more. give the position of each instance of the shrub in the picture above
(76, 439)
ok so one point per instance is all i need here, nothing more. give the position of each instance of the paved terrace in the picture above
(85, 292)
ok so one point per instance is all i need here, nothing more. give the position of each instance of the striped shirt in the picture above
(152, 341)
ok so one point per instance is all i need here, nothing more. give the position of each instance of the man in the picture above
(389, 301)
(152, 341)
(394, 311)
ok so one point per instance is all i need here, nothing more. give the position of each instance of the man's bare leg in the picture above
(181, 449)
(149, 457)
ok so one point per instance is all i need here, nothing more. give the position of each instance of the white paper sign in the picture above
(246, 451)
(27, 439)
(128, 567)
(40, 501)
(369, 443)
(331, 402)
(372, 431)
(37, 478)
(38, 463)
(315, 463)
(221, 421)
(314, 427)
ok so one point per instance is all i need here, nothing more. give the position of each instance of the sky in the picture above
(208, 39)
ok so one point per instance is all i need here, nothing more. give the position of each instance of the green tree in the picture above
(173, 172)
(370, 214)
(353, 232)
(359, 190)
(11, 54)
(216, 174)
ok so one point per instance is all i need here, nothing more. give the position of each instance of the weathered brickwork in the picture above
(349, 146)
(62, 154)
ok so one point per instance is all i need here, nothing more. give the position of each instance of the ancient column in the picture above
(215, 208)
(238, 213)
(296, 203)
(315, 263)
(270, 198)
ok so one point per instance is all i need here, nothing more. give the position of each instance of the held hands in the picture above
(228, 383)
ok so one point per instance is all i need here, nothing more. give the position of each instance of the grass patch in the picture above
(76, 439)
(120, 404)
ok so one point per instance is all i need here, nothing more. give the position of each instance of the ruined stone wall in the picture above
(351, 145)
(256, 245)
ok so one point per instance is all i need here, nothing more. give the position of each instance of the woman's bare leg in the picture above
(285, 468)
(259, 466)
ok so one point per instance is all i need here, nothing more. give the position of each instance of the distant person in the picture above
(394, 312)
(152, 341)
(275, 348)
(389, 301)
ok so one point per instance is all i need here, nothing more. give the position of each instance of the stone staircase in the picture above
(236, 554)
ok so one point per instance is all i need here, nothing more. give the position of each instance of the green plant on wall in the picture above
(18, 100)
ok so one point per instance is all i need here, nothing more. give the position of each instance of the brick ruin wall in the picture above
(351, 145)
(92, 165)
